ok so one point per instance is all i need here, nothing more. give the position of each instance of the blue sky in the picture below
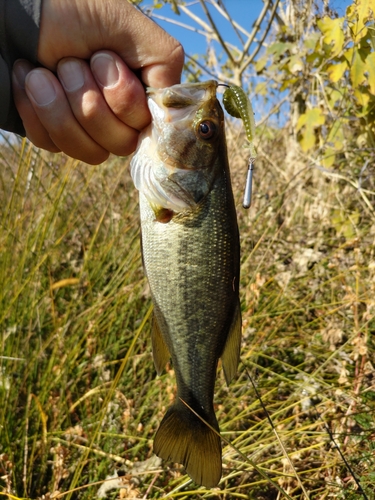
(245, 12)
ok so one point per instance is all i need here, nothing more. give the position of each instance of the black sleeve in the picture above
(19, 32)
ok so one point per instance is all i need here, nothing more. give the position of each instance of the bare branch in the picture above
(252, 56)
(197, 19)
(237, 28)
(272, 111)
(214, 28)
(179, 23)
(256, 28)
(216, 76)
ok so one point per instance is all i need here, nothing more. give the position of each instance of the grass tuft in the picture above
(80, 397)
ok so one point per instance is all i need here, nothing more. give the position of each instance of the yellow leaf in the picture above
(360, 12)
(333, 33)
(315, 117)
(359, 33)
(310, 120)
(301, 122)
(358, 68)
(348, 54)
(370, 67)
(336, 71)
(362, 97)
(364, 10)
(350, 12)
(261, 64)
(308, 139)
(329, 158)
(371, 32)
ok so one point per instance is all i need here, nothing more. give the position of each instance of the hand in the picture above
(96, 104)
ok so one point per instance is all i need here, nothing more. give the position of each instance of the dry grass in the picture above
(80, 398)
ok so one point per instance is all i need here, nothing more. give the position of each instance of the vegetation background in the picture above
(80, 400)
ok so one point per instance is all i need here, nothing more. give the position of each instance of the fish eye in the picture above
(206, 129)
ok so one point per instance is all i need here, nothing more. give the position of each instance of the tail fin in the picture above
(183, 438)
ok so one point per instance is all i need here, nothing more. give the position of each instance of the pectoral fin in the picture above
(231, 353)
(160, 350)
(162, 214)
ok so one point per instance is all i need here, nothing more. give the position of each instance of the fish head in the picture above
(187, 121)
(175, 162)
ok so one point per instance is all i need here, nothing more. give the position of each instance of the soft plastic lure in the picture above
(237, 104)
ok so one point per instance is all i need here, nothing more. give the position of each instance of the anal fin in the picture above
(231, 353)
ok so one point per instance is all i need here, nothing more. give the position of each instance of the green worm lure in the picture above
(237, 104)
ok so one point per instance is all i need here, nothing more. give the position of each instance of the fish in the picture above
(191, 256)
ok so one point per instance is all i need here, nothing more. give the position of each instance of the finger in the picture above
(92, 111)
(164, 71)
(53, 110)
(84, 27)
(144, 46)
(122, 90)
(35, 131)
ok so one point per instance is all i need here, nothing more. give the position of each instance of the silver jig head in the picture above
(249, 185)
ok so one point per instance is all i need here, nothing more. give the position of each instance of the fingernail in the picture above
(105, 69)
(71, 75)
(40, 87)
(20, 72)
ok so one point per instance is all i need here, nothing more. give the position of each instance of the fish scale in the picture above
(192, 265)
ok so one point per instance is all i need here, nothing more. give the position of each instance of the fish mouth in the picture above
(184, 95)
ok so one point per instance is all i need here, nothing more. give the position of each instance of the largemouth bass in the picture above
(191, 256)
